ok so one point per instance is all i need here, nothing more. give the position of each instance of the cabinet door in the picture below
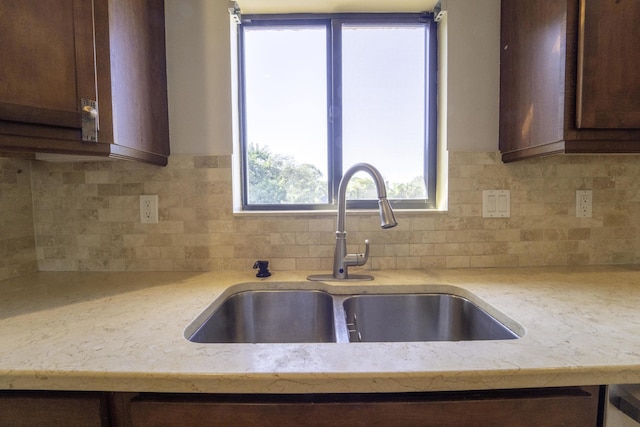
(47, 65)
(53, 409)
(608, 93)
(532, 75)
(567, 406)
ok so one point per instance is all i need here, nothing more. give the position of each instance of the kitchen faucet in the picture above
(341, 259)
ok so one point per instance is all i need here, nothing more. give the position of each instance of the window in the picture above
(321, 93)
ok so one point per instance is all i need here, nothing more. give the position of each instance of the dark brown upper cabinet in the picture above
(84, 77)
(569, 77)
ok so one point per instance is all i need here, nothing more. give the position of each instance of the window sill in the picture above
(350, 212)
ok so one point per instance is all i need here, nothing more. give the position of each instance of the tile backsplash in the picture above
(17, 244)
(86, 217)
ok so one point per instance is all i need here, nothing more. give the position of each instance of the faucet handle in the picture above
(361, 259)
(365, 257)
(358, 259)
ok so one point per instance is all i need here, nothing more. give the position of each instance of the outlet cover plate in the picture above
(584, 203)
(149, 209)
(496, 203)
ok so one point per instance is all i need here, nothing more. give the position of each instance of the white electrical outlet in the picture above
(149, 209)
(584, 201)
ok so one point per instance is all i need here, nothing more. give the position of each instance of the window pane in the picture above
(286, 114)
(383, 105)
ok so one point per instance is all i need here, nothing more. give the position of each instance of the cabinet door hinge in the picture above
(89, 120)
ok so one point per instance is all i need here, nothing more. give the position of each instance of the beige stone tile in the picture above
(74, 203)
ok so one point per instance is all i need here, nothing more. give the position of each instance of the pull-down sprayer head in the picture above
(387, 218)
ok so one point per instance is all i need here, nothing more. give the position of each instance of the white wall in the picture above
(198, 67)
(198, 73)
(473, 74)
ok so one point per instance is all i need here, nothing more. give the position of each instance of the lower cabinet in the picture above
(565, 406)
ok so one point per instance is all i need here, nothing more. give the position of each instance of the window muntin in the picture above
(320, 94)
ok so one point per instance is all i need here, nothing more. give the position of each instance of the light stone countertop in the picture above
(124, 332)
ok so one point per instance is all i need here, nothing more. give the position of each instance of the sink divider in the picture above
(342, 330)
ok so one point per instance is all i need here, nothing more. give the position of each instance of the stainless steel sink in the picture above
(420, 317)
(295, 316)
(325, 316)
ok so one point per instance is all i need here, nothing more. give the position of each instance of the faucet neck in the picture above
(342, 189)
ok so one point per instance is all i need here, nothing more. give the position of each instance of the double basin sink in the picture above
(324, 316)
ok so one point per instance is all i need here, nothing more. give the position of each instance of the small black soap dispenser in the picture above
(263, 268)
